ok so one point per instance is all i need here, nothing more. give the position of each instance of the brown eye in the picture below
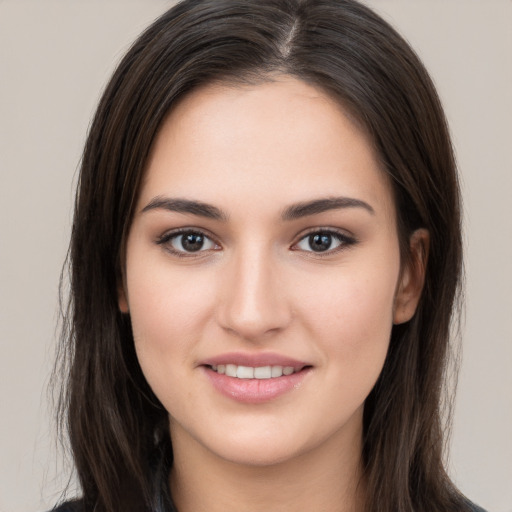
(192, 242)
(187, 242)
(320, 242)
(324, 241)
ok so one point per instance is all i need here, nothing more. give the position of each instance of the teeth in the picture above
(249, 372)
(276, 371)
(231, 370)
(263, 372)
(245, 372)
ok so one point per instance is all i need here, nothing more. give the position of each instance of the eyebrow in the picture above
(186, 206)
(299, 210)
(292, 212)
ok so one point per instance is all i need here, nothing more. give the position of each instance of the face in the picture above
(263, 272)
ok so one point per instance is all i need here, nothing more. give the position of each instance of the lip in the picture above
(255, 391)
(255, 360)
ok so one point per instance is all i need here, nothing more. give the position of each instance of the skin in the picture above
(252, 151)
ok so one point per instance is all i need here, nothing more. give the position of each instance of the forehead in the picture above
(283, 138)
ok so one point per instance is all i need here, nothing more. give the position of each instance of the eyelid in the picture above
(346, 239)
(166, 237)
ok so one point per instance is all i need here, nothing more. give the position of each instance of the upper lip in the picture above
(254, 360)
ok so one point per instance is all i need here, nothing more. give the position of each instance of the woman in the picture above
(265, 260)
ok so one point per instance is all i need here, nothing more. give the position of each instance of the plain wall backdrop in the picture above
(55, 57)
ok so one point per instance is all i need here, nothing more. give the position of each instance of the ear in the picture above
(412, 277)
(122, 298)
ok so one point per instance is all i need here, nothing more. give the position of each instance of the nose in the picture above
(253, 303)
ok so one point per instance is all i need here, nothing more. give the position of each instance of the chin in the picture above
(259, 454)
(260, 445)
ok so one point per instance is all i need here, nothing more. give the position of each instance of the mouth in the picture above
(255, 379)
(251, 372)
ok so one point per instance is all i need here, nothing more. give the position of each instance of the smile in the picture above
(255, 378)
(250, 372)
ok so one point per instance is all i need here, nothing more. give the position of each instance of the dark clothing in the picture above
(68, 507)
(75, 507)
(162, 501)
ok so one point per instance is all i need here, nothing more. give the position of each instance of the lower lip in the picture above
(255, 391)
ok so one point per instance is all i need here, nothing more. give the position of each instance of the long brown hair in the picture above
(116, 424)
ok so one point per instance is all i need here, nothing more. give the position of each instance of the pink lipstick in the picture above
(255, 378)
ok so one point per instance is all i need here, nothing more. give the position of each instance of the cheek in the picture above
(168, 314)
(166, 301)
(349, 312)
(353, 329)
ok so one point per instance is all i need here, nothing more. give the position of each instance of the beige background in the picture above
(55, 57)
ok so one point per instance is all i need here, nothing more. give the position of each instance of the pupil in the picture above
(320, 242)
(192, 242)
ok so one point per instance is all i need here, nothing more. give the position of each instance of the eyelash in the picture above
(344, 240)
(167, 238)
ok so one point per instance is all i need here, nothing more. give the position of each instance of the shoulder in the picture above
(475, 508)
(69, 506)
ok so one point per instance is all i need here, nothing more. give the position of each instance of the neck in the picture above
(327, 478)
